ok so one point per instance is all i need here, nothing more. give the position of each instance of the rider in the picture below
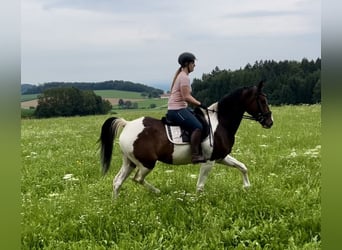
(178, 110)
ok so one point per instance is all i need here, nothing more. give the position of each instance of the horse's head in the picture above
(257, 106)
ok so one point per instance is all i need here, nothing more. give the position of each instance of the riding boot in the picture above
(195, 142)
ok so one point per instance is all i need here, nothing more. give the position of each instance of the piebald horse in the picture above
(144, 141)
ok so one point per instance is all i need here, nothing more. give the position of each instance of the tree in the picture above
(70, 102)
(316, 95)
(128, 104)
(121, 103)
(287, 82)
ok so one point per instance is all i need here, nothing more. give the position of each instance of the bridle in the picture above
(260, 116)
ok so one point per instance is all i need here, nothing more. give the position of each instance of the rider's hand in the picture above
(203, 106)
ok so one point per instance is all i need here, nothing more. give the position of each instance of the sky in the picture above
(140, 41)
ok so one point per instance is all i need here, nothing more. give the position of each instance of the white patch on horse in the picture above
(129, 135)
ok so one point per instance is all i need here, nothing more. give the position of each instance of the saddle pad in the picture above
(175, 134)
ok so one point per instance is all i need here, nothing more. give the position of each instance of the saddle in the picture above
(179, 135)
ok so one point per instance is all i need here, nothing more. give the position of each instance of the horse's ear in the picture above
(261, 85)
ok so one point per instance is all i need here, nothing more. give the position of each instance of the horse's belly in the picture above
(181, 154)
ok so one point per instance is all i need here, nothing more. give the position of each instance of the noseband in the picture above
(260, 116)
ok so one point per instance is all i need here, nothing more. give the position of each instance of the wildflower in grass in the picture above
(83, 219)
(32, 154)
(53, 194)
(293, 153)
(69, 177)
(314, 152)
(193, 198)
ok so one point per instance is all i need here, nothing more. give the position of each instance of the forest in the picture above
(117, 85)
(70, 101)
(287, 82)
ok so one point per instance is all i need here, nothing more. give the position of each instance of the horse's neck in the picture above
(232, 122)
(229, 121)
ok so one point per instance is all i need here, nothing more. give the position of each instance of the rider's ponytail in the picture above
(175, 77)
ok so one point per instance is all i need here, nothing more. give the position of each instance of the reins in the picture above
(249, 117)
(211, 135)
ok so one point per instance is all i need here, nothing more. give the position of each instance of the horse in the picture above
(144, 141)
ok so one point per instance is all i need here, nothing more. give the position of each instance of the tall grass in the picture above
(67, 204)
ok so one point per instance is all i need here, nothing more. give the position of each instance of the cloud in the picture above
(74, 40)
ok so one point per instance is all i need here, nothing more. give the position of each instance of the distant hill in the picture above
(26, 87)
(106, 85)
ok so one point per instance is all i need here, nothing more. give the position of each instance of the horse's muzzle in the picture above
(267, 123)
(267, 126)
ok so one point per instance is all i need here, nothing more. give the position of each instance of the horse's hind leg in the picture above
(140, 178)
(204, 172)
(126, 169)
(232, 162)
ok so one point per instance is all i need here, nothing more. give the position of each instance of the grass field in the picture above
(102, 93)
(30, 97)
(118, 94)
(66, 203)
(143, 102)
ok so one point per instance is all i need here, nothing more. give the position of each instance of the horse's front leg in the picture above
(204, 172)
(232, 162)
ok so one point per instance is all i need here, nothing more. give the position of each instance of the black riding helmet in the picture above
(186, 58)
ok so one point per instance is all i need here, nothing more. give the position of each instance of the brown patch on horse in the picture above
(223, 143)
(152, 144)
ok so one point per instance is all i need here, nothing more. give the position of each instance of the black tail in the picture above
(107, 139)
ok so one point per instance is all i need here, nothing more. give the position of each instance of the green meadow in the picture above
(30, 97)
(102, 93)
(118, 94)
(67, 203)
(143, 102)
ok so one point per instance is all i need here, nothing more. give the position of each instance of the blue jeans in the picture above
(185, 118)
